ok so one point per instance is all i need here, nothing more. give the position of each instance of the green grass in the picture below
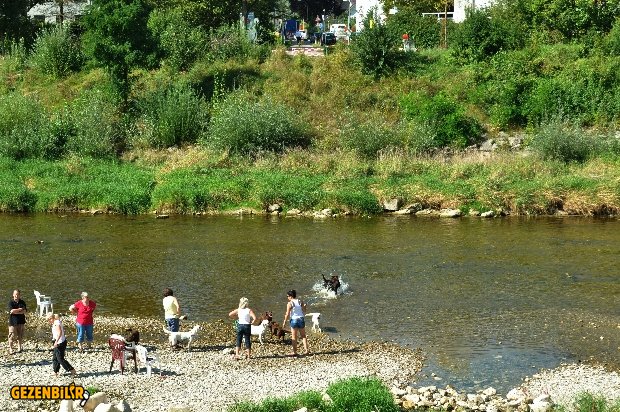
(586, 402)
(348, 395)
(197, 181)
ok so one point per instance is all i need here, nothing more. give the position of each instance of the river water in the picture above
(489, 301)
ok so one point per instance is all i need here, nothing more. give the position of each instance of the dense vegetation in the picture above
(142, 106)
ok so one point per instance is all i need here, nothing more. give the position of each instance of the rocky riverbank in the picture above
(206, 378)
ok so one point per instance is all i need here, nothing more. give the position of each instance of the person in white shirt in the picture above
(245, 317)
(60, 345)
(296, 311)
(172, 310)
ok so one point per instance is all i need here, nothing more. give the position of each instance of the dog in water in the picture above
(259, 330)
(316, 321)
(177, 338)
(332, 283)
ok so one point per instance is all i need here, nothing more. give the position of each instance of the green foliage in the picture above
(424, 31)
(228, 42)
(310, 399)
(482, 35)
(173, 116)
(612, 40)
(96, 127)
(445, 117)
(201, 189)
(25, 129)
(207, 14)
(118, 39)
(292, 190)
(181, 43)
(368, 138)
(241, 125)
(586, 402)
(354, 196)
(56, 52)
(376, 47)
(361, 395)
(563, 141)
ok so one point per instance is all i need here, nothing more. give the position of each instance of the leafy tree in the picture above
(423, 30)
(14, 21)
(117, 38)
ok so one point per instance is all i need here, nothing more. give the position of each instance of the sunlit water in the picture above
(488, 300)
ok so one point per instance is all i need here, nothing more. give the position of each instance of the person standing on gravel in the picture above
(17, 320)
(246, 318)
(60, 345)
(172, 310)
(296, 311)
(84, 322)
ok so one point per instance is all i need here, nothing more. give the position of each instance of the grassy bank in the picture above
(198, 180)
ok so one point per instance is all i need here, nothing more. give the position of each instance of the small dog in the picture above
(259, 330)
(278, 331)
(331, 284)
(132, 336)
(175, 338)
(316, 318)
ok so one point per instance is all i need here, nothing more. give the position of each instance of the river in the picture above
(488, 300)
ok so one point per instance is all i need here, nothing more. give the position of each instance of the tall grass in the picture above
(586, 402)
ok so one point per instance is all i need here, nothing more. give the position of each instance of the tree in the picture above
(117, 38)
(14, 21)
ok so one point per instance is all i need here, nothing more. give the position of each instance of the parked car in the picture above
(340, 30)
(328, 38)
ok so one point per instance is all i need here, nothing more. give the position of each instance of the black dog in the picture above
(331, 284)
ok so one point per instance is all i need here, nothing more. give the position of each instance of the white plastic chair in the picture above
(44, 304)
(148, 359)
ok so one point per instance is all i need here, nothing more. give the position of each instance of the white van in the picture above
(340, 30)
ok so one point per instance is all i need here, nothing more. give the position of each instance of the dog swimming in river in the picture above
(332, 283)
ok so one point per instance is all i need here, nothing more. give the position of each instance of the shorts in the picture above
(16, 332)
(298, 323)
(173, 324)
(84, 330)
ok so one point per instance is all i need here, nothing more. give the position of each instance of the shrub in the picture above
(56, 52)
(481, 36)
(97, 126)
(248, 127)
(563, 141)
(586, 402)
(361, 395)
(24, 129)
(424, 31)
(376, 48)
(173, 116)
(369, 137)
(227, 42)
(612, 40)
(443, 116)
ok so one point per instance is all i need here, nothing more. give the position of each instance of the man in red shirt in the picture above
(84, 309)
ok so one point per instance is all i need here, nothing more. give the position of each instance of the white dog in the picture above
(175, 338)
(316, 321)
(260, 330)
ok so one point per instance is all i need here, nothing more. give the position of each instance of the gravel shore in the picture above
(206, 379)
(203, 378)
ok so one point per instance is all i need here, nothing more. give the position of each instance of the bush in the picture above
(25, 129)
(369, 137)
(56, 53)
(97, 126)
(444, 118)
(361, 395)
(247, 127)
(424, 31)
(227, 42)
(612, 40)
(173, 117)
(481, 36)
(376, 48)
(563, 141)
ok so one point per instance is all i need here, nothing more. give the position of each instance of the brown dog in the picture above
(331, 284)
(278, 331)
